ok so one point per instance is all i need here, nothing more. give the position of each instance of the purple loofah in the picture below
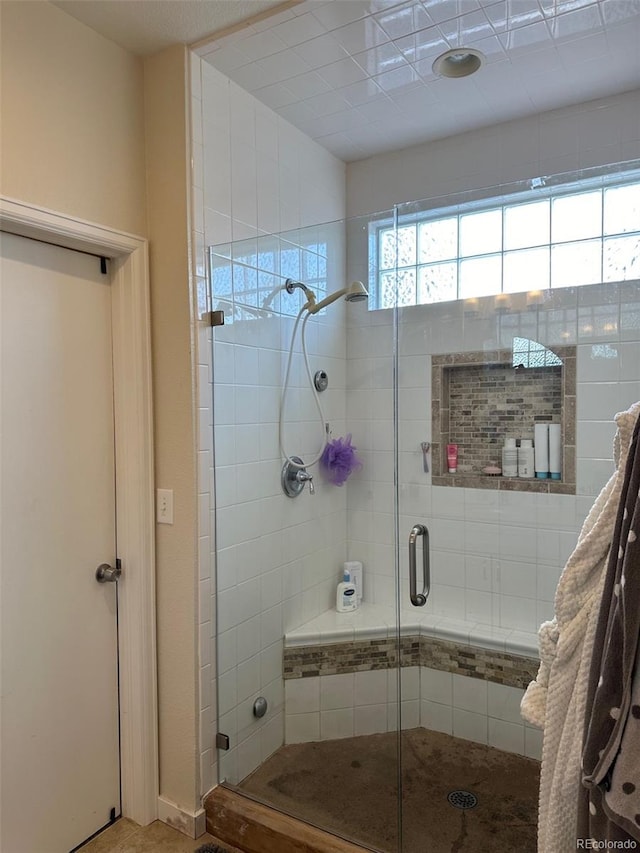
(339, 460)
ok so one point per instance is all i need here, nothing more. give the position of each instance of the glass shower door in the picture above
(474, 365)
(307, 697)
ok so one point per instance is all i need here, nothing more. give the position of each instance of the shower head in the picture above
(355, 292)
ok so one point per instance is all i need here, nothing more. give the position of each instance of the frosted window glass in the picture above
(481, 233)
(309, 266)
(406, 246)
(437, 283)
(387, 289)
(406, 280)
(480, 276)
(388, 254)
(438, 241)
(398, 288)
(576, 217)
(527, 269)
(576, 263)
(245, 285)
(290, 263)
(221, 274)
(622, 209)
(526, 225)
(621, 258)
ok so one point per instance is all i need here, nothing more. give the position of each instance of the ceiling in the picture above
(146, 26)
(356, 75)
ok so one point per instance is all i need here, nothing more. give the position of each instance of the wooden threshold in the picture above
(255, 828)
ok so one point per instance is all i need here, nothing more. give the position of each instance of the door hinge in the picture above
(222, 741)
(213, 318)
(103, 266)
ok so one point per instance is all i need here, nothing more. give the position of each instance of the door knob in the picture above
(106, 573)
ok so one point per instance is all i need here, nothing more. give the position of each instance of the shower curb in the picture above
(245, 823)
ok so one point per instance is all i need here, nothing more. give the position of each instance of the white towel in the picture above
(556, 700)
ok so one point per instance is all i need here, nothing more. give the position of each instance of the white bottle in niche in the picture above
(354, 567)
(510, 458)
(525, 458)
(555, 451)
(346, 598)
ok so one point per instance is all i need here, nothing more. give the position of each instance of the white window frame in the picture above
(538, 189)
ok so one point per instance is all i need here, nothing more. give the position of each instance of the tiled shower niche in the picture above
(481, 398)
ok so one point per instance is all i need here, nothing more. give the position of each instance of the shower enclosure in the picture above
(467, 339)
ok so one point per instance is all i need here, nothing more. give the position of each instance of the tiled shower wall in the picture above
(495, 556)
(255, 175)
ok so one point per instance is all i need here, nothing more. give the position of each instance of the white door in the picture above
(59, 752)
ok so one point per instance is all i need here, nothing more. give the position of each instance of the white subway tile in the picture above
(409, 683)
(272, 736)
(370, 719)
(533, 743)
(506, 736)
(436, 717)
(436, 686)
(338, 723)
(248, 638)
(504, 702)
(470, 694)
(302, 728)
(410, 711)
(337, 691)
(518, 613)
(249, 755)
(302, 695)
(227, 653)
(518, 543)
(470, 726)
(371, 689)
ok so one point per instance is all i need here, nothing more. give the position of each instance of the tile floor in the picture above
(125, 836)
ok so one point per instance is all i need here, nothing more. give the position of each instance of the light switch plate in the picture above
(164, 506)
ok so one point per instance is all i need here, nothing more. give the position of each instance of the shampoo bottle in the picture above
(525, 458)
(346, 598)
(510, 458)
(354, 567)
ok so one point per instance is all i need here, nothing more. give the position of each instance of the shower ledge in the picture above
(375, 621)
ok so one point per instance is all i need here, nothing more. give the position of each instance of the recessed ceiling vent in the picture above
(458, 62)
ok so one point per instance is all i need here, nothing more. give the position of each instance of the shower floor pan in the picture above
(457, 797)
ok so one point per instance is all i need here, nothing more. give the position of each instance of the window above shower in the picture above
(547, 235)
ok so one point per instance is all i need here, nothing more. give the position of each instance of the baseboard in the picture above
(191, 824)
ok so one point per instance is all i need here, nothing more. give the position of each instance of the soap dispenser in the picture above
(346, 598)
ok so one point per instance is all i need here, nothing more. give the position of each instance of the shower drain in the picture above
(462, 799)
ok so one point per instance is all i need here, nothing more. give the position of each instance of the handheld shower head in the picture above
(355, 292)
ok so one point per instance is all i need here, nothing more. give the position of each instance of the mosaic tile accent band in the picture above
(363, 655)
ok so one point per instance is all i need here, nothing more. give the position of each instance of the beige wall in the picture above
(72, 133)
(168, 159)
(72, 139)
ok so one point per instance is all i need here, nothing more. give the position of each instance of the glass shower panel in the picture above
(470, 373)
(460, 722)
(329, 678)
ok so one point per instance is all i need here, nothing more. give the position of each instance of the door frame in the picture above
(135, 522)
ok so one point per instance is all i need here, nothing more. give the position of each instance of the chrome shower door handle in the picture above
(419, 599)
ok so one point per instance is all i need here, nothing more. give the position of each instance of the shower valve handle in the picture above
(305, 477)
(293, 477)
